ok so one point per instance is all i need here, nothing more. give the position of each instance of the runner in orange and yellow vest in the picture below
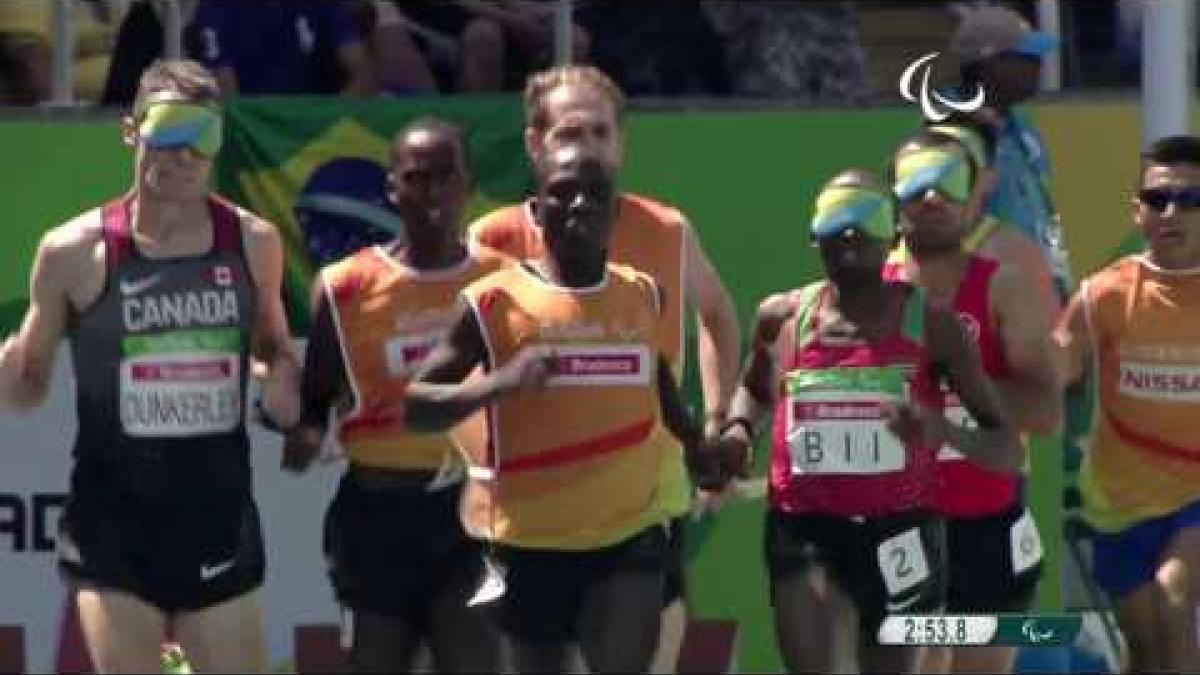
(1136, 324)
(581, 105)
(584, 414)
(401, 564)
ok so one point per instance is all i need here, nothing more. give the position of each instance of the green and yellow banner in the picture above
(316, 168)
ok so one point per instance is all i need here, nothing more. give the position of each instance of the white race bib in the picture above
(171, 395)
(181, 383)
(1026, 543)
(842, 433)
(902, 561)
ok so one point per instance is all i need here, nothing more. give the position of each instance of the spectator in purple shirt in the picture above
(281, 47)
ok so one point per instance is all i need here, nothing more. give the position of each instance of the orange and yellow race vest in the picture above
(1143, 455)
(577, 465)
(648, 236)
(388, 317)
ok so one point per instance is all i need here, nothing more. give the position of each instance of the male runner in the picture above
(400, 561)
(851, 366)
(163, 294)
(992, 543)
(581, 105)
(1135, 323)
(579, 396)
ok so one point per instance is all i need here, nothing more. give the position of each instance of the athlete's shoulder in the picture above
(255, 228)
(1117, 275)
(488, 259)
(80, 233)
(499, 219)
(651, 209)
(352, 273)
(1011, 247)
(504, 229)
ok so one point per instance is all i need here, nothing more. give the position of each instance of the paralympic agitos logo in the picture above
(934, 106)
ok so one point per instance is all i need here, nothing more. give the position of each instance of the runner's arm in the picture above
(718, 339)
(27, 357)
(440, 397)
(1073, 341)
(675, 414)
(755, 394)
(323, 381)
(994, 445)
(272, 337)
(1031, 391)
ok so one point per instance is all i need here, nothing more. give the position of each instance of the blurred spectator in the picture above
(663, 48)
(398, 65)
(1001, 53)
(498, 42)
(25, 49)
(139, 42)
(807, 51)
(1129, 36)
(281, 47)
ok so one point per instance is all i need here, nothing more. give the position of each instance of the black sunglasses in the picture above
(1158, 198)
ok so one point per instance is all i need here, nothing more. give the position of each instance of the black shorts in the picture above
(985, 555)
(675, 580)
(546, 588)
(188, 552)
(893, 564)
(392, 549)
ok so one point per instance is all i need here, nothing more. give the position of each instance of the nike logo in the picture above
(135, 287)
(208, 573)
(893, 607)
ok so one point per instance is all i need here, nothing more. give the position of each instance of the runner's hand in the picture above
(301, 448)
(527, 372)
(917, 425)
(281, 401)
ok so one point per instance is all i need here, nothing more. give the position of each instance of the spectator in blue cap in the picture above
(1000, 52)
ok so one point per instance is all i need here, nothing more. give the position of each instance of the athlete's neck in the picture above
(938, 274)
(575, 271)
(863, 301)
(1173, 260)
(431, 255)
(162, 219)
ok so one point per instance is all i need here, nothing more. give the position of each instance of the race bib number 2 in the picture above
(181, 384)
(902, 561)
(1026, 543)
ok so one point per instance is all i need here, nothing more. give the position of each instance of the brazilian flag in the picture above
(316, 168)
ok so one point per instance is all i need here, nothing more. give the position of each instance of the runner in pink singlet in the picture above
(941, 179)
(851, 366)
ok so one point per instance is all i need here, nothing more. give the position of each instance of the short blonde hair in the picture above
(540, 84)
(192, 81)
